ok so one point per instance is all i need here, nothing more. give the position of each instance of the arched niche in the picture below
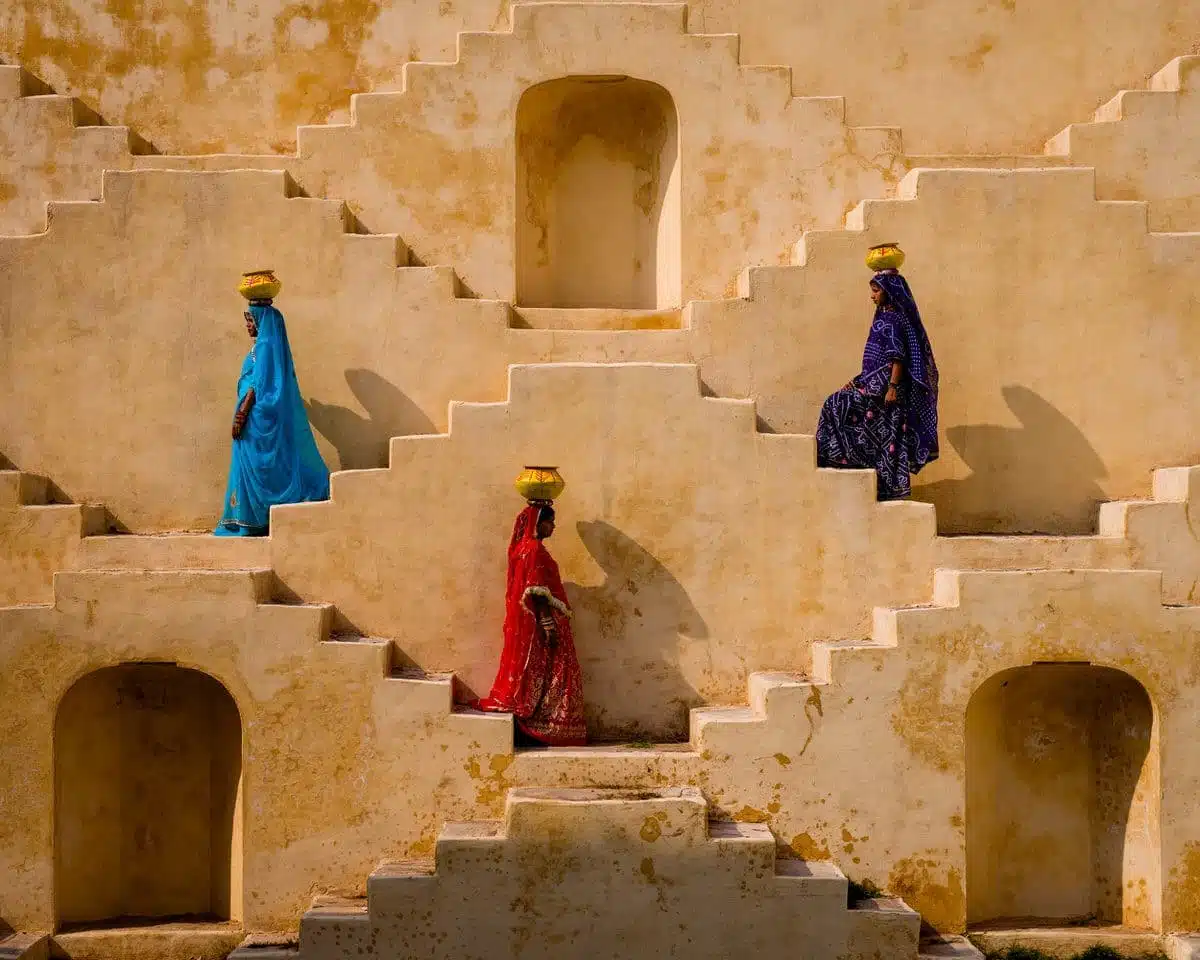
(598, 207)
(1063, 798)
(147, 793)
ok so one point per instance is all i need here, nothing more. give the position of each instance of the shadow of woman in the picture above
(1040, 477)
(362, 442)
(627, 632)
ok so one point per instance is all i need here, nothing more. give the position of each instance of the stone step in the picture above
(1181, 74)
(162, 941)
(563, 318)
(18, 488)
(1066, 941)
(174, 552)
(17, 82)
(25, 946)
(267, 946)
(948, 948)
(984, 161)
(602, 866)
(1032, 553)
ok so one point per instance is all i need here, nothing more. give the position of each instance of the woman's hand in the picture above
(239, 418)
(890, 397)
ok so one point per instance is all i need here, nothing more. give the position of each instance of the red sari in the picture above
(540, 685)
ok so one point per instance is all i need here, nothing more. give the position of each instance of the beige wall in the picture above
(242, 76)
(598, 873)
(822, 749)
(341, 763)
(1062, 782)
(663, 537)
(123, 330)
(147, 772)
(345, 766)
(597, 194)
(1141, 147)
(438, 163)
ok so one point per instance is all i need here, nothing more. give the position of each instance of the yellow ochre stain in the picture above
(805, 847)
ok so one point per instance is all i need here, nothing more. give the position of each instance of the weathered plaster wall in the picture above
(241, 76)
(663, 534)
(341, 765)
(148, 765)
(1143, 146)
(597, 195)
(924, 666)
(122, 328)
(1030, 290)
(438, 163)
(602, 871)
(45, 154)
(344, 767)
(1062, 782)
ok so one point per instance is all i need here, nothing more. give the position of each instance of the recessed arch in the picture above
(147, 797)
(1063, 798)
(598, 195)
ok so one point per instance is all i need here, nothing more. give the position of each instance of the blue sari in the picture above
(857, 429)
(275, 460)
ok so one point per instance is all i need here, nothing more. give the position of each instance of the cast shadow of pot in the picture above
(1040, 477)
(629, 632)
(362, 442)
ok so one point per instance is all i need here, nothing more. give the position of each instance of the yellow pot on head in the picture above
(540, 483)
(260, 285)
(885, 256)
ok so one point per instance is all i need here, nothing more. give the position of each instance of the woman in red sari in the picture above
(539, 681)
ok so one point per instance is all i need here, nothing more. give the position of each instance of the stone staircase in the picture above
(596, 843)
(39, 537)
(58, 145)
(620, 859)
(1138, 142)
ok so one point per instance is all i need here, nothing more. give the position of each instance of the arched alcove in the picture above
(1063, 798)
(147, 763)
(598, 203)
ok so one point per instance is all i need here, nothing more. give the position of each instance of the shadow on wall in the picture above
(362, 442)
(627, 632)
(1040, 477)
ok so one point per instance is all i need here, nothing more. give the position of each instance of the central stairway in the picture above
(595, 873)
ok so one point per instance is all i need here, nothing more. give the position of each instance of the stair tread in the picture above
(809, 869)
(403, 868)
(734, 830)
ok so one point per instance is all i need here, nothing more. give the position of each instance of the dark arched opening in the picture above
(148, 762)
(598, 196)
(1063, 798)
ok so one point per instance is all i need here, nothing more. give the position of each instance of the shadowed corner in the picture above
(1039, 478)
(362, 441)
(634, 621)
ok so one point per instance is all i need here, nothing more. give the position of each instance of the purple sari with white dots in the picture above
(857, 430)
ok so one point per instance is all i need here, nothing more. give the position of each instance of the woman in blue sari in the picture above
(886, 417)
(275, 458)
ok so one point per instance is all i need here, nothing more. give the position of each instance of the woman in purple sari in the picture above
(886, 417)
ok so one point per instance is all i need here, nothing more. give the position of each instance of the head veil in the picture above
(920, 367)
(919, 362)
